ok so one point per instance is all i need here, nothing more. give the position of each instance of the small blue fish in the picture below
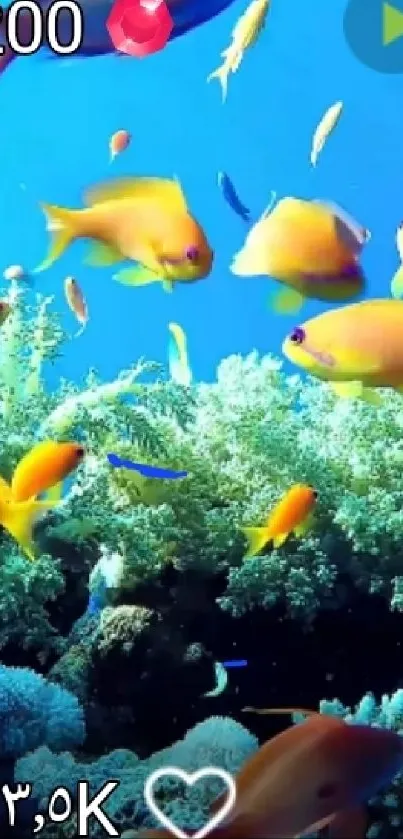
(144, 469)
(237, 662)
(231, 196)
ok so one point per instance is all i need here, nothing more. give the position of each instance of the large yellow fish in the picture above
(145, 220)
(355, 348)
(245, 33)
(312, 247)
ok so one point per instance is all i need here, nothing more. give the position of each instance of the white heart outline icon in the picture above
(190, 778)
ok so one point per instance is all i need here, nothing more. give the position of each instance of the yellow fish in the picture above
(145, 220)
(356, 348)
(245, 33)
(324, 129)
(311, 247)
(179, 367)
(396, 287)
(42, 469)
(19, 518)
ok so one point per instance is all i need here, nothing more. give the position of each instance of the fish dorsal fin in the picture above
(267, 210)
(143, 189)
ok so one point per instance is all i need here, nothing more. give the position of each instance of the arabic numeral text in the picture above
(28, 27)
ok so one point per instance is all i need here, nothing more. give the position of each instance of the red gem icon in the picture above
(139, 27)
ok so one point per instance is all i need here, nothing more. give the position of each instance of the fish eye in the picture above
(192, 254)
(297, 335)
(326, 791)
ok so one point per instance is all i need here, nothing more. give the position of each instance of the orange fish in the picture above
(292, 514)
(19, 518)
(118, 143)
(311, 247)
(356, 349)
(44, 468)
(145, 220)
(315, 775)
(76, 302)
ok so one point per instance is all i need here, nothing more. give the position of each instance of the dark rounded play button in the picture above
(374, 31)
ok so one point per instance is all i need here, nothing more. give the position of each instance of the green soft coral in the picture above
(244, 440)
(26, 589)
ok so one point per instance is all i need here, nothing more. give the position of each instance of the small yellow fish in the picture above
(245, 33)
(324, 129)
(292, 514)
(76, 302)
(179, 367)
(396, 287)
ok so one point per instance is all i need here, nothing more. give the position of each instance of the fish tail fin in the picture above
(80, 331)
(397, 284)
(257, 537)
(61, 224)
(19, 518)
(280, 539)
(221, 73)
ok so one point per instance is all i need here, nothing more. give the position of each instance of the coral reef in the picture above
(134, 574)
(217, 741)
(242, 446)
(35, 712)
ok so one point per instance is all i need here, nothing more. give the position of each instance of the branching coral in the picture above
(217, 741)
(34, 712)
(26, 588)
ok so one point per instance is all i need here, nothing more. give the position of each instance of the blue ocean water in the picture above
(58, 115)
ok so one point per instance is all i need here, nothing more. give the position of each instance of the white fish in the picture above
(245, 33)
(324, 128)
(221, 676)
